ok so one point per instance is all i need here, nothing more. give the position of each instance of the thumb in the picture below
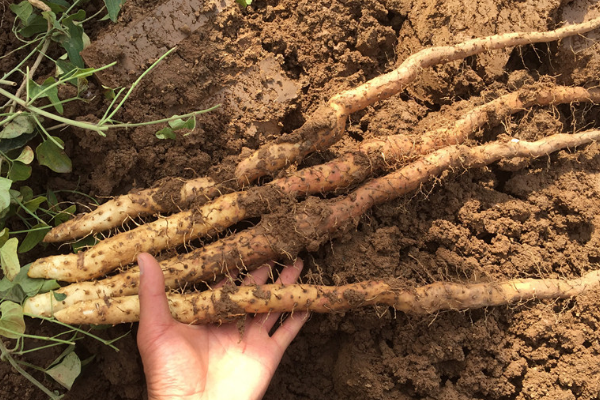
(154, 307)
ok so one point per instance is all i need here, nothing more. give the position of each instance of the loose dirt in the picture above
(273, 64)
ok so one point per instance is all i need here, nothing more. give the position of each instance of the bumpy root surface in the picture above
(168, 197)
(371, 157)
(293, 227)
(328, 123)
(232, 302)
(284, 235)
(171, 231)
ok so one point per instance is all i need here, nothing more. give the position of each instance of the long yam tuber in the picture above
(115, 212)
(232, 302)
(312, 222)
(327, 125)
(353, 167)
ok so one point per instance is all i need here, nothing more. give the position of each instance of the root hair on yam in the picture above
(318, 223)
(230, 304)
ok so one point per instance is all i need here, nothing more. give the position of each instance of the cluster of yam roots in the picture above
(380, 170)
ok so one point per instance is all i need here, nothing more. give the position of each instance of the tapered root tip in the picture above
(40, 305)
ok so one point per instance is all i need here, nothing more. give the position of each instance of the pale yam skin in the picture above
(119, 210)
(308, 228)
(318, 133)
(230, 303)
(327, 125)
(214, 217)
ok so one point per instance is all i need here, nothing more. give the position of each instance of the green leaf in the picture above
(4, 193)
(19, 125)
(9, 258)
(83, 244)
(181, 124)
(23, 286)
(78, 16)
(61, 3)
(26, 193)
(166, 133)
(75, 76)
(48, 285)
(59, 296)
(113, 7)
(7, 145)
(72, 41)
(34, 237)
(47, 90)
(109, 93)
(33, 204)
(22, 10)
(66, 371)
(19, 172)
(11, 320)
(26, 156)
(64, 215)
(53, 157)
(244, 3)
(65, 69)
(11, 292)
(36, 24)
(4, 235)
(57, 7)
(52, 200)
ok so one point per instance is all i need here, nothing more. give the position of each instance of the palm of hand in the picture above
(210, 362)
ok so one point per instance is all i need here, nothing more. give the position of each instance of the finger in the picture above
(284, 335)
(288, 276)
(154, 307)
(258, 276)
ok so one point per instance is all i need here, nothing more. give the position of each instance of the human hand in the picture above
(207, 361)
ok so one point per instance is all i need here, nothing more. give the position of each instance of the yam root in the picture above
(353, 167)
(232, 302)
(327, 124)
(315, 221)
(166, 198)
(177, 229)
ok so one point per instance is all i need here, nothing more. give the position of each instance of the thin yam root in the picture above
(327, 125)
(163, 199)
(376, 155)
(313, 224)
(177, 229)
(232, 302)
(353, 167)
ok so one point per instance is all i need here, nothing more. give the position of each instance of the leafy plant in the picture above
(58, 22)
(27, 120)
(67, 366)
(24, 138)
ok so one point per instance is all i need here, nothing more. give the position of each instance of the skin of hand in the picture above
(208, 361)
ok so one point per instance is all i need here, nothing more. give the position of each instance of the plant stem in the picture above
(158, 121)
(76, 74)
(46, 338)
(34, 68)
(83, 125)
(29, 212)
(137, 81)
(7, 356)
(108, 343)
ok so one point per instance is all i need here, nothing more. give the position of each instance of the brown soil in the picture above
(273, 64)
